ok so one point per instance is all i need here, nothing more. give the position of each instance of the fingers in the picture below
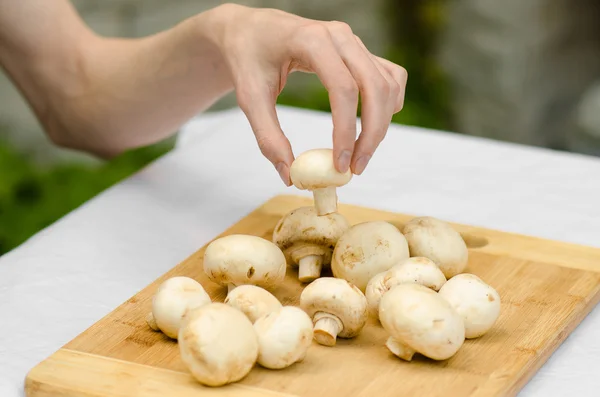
(316, 49)
(367, 143)
(400, 75)
(397, 72)
(258, 104)
(379, 92)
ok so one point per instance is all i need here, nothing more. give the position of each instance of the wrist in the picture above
(216, 24)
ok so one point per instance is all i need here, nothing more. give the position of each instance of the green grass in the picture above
(33, 197)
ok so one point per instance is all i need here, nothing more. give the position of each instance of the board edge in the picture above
(41, 380)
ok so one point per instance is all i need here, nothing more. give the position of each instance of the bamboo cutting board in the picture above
(546, 289)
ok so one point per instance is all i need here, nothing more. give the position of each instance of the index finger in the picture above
(316, 49)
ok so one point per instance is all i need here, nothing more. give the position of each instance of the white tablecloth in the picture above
(79, 269)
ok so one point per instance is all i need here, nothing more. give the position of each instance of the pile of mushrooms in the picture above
(413, 282)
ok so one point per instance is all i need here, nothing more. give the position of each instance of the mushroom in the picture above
(314, 170)
(308, 239)
(420, 321)
(284, 337)
(337, 309)
(366, 249)
(253, 301)
(438, 241)
(477, 302)
(173, 297)
(412, 270)
(240, 259)
(217, 344)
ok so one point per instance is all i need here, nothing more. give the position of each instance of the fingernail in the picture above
(361, 164)
(282, 169)
(344, 160)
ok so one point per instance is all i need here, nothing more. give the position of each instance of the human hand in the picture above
(263, 46)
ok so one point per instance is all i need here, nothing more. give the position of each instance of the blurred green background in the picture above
(34, 193)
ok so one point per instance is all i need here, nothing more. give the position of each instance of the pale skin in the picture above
(106, 95)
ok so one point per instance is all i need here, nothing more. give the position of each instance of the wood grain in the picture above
(546, 289)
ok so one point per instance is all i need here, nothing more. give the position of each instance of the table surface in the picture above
(79, 269)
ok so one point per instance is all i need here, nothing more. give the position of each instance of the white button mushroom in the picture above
(172, 298)
(337, 308)
(284, 337)
(314, 170)
(420, 321)
(309, 239)
(477, 302)
(253, 301)
(240, 259)
(217, 344)
(367, 249)
(438, 241)
(418, 270)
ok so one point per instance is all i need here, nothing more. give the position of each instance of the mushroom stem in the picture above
(327, 327)
(310, 268)
(151, 322)
(400, 349)
(325, 200)
(230, 287)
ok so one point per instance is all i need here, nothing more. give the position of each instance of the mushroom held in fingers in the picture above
(240, 259)
(412, 270)
(309, 239)
(438, 241)
(173, 297)
(367, 249)
(314, 170)
(253, 301)
(477, 303)
(284, 337)
(217, 344)
(337, 308)
(420, 321)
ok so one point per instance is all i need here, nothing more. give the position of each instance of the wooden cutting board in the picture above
(546, 289)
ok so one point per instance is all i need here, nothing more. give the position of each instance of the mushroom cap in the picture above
(284, 337)
(239, 259)
(253, 301)
(302, 232)
(338, 297)
(217, 344)
(314, 169)
(375, 289)
(172, 298)
(418, 270)
(438, 241)
(367, 249)
(477, 302)
(421, 319)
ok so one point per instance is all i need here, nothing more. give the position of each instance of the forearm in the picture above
(106, 95)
